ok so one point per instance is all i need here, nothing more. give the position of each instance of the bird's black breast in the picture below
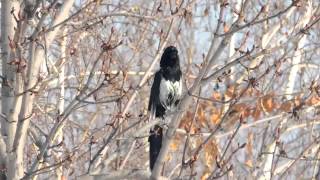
(172, 73)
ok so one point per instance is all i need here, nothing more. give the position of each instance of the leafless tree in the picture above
(76, 79)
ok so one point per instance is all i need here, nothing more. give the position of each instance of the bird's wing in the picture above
(154, 95)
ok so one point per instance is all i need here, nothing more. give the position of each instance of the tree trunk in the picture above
(9, 103)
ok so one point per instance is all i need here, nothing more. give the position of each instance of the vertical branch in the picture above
(297, 57)
(233, 38)
(7, 33)
(3, 155)
(59, 136)
(11, 83)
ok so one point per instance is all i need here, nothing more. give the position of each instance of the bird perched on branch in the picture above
(166, 92)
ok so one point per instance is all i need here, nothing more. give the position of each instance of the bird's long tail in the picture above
(155, 142)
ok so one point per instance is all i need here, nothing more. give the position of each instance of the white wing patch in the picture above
(167, 88)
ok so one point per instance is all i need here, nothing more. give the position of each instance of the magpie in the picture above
(166, 92)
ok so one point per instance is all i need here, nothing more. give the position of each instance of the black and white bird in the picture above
(166, 92)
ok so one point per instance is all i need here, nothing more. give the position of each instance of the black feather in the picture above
(154, 101)
(155, 140)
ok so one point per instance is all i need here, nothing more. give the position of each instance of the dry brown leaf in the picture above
(206, 11)
(205, 176)
(226, 28)
(168, 157)
(313, 101)
(184, 123)
(174, 145)
(201, 117)
(216, 96)
(215, 116)
(239, 107)
(267, 103)
(249, 145)
(249, 150)
(211, 151)
(286, 106)
(256, 113)
(249, 163)
(242, 109)
(246, 113)
(297, 100)
(250, 92)
(230, 93)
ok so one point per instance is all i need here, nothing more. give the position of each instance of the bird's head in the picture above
(170, 57)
